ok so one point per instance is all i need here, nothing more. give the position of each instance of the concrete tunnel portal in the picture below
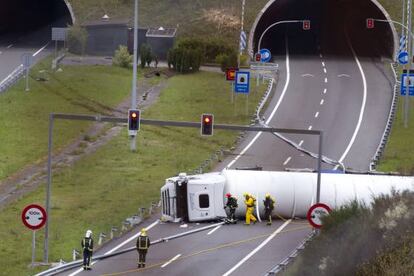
(23, 17)
(332, 21)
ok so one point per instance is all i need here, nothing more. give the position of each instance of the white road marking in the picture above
(287, 161)
(172, 260)
(278, 230)
(324, 70)
(118, 246)
(273, 112)
(307, 75)
(8, 47)
(326, 80)
(317, 114)
(323, 64)
(320, 55)
(325, 90)
(214, 229)
(322, 101)
(361, 112)
(41, 49)
(344, 75)
(310, 128)
(300, 143)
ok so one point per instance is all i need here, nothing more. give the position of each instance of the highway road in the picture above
(347, 97)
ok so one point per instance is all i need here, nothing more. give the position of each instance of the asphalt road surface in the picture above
(348, 98)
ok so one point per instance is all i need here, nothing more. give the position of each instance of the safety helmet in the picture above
(245, 194)
(267, 195)
(228, 195)
(143, 232)
(88, 234)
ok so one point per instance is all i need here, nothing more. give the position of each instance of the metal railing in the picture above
(12, 78)
(387, 130)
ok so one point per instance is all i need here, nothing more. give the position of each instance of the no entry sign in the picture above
(34, 216)
(316, 212)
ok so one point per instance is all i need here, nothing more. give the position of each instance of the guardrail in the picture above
(387, 131)
(12, 78)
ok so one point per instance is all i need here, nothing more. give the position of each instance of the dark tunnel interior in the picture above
(23, 17)
(332, 21)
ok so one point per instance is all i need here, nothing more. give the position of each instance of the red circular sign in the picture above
(34, 216)
(316, 212)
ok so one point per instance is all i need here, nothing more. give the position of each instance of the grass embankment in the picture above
(104, 188)
(24, 117)
(357, 240)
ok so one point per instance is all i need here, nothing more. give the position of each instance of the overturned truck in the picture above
(201, 197)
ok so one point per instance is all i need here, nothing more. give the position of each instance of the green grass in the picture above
(24, 117)
(104, 188)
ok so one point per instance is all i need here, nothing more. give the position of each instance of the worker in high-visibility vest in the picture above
(87, 248)
(143, 243)
(269, 204)
(249, 201)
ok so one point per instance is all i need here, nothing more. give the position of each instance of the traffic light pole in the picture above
(133, 146)
(99, 118)
(410, 63)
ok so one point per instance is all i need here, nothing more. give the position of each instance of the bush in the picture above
(122, 57)
(145, 55)
(227, 61)
(184, 60)
(77, 38)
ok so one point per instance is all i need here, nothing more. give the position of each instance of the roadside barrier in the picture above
(12, 78)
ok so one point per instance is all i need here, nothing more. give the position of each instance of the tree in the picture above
(77, 39)
(145, 55)
(122, 57)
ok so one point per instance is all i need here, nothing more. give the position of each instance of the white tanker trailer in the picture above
(202, 197)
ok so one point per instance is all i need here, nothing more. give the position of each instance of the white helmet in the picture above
(88, 234)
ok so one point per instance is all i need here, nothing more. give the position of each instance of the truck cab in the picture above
(193, 198)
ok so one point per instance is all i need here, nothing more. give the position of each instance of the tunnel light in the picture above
(370, 23)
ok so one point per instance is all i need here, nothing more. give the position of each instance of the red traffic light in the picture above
(370, 23)
(133, 114)
(133, 121)
(306, 25)
(231, 74)
(258, 57)
(207, 124)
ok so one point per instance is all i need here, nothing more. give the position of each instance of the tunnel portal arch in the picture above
(276, 10)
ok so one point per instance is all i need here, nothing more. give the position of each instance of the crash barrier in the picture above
(71, 265)
(388, 126)
(12, 78)
(55, 62)
(284, 263)
(125, 227)
(217, 156)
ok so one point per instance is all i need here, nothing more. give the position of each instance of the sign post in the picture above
(34, 217)
(231, 76)
(315, 214)
(27, 62)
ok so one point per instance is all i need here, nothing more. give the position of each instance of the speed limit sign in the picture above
(316, 212)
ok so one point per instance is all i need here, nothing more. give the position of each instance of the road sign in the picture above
(403, 58)
(265, 55)
(410, 84)
(59, 34)
(231, 74)
(243, 38)
(264, 66)
(242, 82)
(316, 212)
(34, 216)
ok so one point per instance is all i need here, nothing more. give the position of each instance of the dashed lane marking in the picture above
(317, 114)
(300, 143)
(324, 70)
(214, 229)
(325, 90)
(8, 47)
(323, 64)
(326, 80)
(322, 101)
(287, 161)
(310, 128)
(172, 260)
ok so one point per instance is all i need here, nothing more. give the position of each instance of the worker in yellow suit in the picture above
(249, 201)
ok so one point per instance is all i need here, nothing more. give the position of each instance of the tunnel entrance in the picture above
(24, 17)
(332, 22)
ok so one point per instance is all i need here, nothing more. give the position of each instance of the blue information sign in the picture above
(242, 84)
(403, 58)
(265, 55)
(404, 84)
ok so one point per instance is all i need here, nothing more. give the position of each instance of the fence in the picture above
(12, 78)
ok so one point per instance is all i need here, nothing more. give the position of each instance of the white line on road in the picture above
(320, 55)
(278, 230)
(118, 246)
(325, 90)
(317, 114)
(8, 47)
(300, 143)
(326, 80)
(214, 229)
(322, 101)
(324, 70)
(310, 128)
(287, 161)
(323, 64)
(273, 112)
(172, 260)
(364, 100)
(41, 49)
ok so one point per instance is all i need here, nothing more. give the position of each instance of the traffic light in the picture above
(258, 57)
(134, 119)
(207, 121)
(370, 23)
(306, 25)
